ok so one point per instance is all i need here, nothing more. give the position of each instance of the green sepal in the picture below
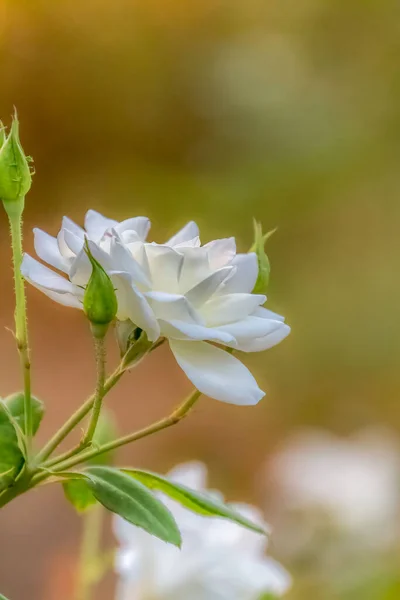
(197, 502)
(122, 494)
(15, 174)
(264, 266)
(138, 346)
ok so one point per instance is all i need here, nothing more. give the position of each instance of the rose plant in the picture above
(205, 301)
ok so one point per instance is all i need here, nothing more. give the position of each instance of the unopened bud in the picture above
(99, 302)
(15, 174)
(264, 267)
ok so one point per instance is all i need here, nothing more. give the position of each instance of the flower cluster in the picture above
(198, 297)
(218, 561)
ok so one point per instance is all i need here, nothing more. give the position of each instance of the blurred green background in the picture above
(218, 111)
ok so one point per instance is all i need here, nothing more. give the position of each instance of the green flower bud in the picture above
(264, 267)
(99, 301)
(15, 174)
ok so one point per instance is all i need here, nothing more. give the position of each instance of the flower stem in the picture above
(90, 550)
(73, 421)
(174, 418)
(80, 457)
(100, 350)
(14, 211)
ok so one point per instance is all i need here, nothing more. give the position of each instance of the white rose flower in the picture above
(182, 291)
(219, 560)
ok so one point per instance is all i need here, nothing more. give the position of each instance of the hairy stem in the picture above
(99, 393)
(14, 211)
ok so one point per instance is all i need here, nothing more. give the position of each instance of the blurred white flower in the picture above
(180, 290)
(354, 481)
(219, 560)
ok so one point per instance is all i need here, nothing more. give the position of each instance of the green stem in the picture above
(73, 421)
(76, 418)
(62, 465)
(90, 550)
(100, 350)
(14, 211)
(175, 417)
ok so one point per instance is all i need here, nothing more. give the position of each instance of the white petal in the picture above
(69, 243)
(250, 329)
(266, 342)
(81, 268)
(191, 474)
(229, 308)
(182, 330)
(194, 243)
(165, 266)
(201, 292)
(195, 268)
(187, 233)
(53, 285)
(47, 249)
(96, 225)
(245, 277)
(264, 313)
(140, 225)
(267, 575)
(124, 261)
(133, 305)
(216, 373)
(138, 251)
(172, 306)
(221, 252)
(69, 224)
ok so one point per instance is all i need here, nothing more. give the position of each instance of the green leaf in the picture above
(12, 457)
(122, 494)
(3, 597)
(196, 502)
(15, 404)
(78, 492)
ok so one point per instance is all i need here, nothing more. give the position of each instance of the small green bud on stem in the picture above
(15, 174)
(264, 267)
(99, 302)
